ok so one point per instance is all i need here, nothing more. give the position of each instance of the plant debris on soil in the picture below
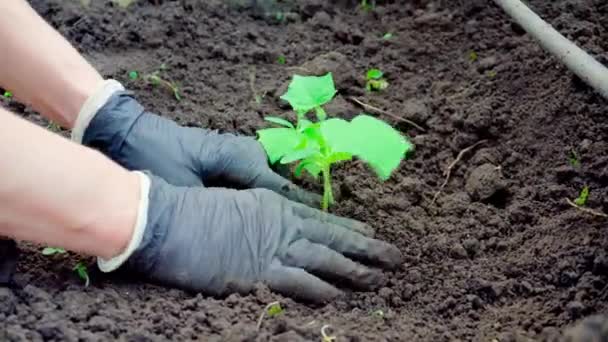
(500, 256)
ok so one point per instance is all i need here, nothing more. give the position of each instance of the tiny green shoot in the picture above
(8, 94)
(81, 270)
(317, 146)
(133, 75)
(387, 36)
(573, 158)
(155, 79)
(123, 3)
(53, 127)
(325, 335)
(378, 313)
(52, 251)
(491, 74)
(473, 56)
(271, 310)
(281, 59)
(375, 80)
(367, 5)
(582, 198)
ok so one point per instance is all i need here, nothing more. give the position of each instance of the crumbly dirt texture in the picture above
(500, 256)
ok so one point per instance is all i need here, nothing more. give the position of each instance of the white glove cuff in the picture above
(92, 105)
(138, 232)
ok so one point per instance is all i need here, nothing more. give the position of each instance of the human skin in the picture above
(58, 193)
(40, 67)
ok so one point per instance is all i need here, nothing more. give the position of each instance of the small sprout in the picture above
(133, 75)
(473, 56)
(367, 5)
(378, 313)
(52, 251)
(279, 16)
(491, 74)
(53, 127)
(271, 310)
(82, 272)
(375, 80)
(387, 36)
(123, 3)
(326, 337)
(8, 94)
(154, 79)
(582, 198)
(573, 158)
(281, 59)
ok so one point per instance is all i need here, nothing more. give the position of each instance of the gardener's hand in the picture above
(116, 124)
(219, 241)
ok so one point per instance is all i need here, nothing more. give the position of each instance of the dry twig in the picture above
(380, 111)
(448, 171)
(586, 210)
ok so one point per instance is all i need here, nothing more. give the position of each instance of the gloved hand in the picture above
(219, 241)
(113, 122)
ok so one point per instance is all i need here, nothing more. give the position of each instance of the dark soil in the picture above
(500, 256)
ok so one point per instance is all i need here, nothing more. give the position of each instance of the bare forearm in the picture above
(56, 192)
(41, 67)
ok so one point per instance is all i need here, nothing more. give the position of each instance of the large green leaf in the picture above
(308, 92)
(278, 141)
(309, 164)
(370, 139)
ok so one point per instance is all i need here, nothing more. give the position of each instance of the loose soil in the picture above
(500, 255)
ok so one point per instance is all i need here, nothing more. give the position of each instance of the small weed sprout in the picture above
(582, 198)
(316, 146)
(574, 159)
(81, 270)
(473, 56)
(367, 5)
(387, 36)
(48, 251)
(281, 59)
(375, 80)
(7, 94)
(271, 310)
(491, 74)
(154, 79)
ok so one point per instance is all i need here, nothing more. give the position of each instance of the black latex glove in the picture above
(140, 140)
(219, 241)
(8, 260)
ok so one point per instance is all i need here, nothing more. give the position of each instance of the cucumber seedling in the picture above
(81, 270)
(317, 146)
(154, 79)
(375, 80)
(52, 251)
(582, 198)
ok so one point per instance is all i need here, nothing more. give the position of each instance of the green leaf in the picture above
(299, 154)
(339, 156)
(52, 251)
(387, 36)
(310, 165)
(374, 74)
(281, 60)
(370, 139)
(278, 141)
(274, 310)
(321, 115)
(81, 270)
(307, 92)
(133, 75)
(8, 94)
(581, 200)
(279, 121)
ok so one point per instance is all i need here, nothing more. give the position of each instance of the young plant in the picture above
(387, 36)
(375, 80)
(155, 80)
(8, 94)
(48, 251)
(582, 198)
(81, 270)
(281, 59)
(574, 159)
(317, 146)
(367, 5)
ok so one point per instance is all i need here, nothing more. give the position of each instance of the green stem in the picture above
(328, 196)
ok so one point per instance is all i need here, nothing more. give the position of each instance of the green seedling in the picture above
(81, 270)
(473, 56)
(491, 74)
(387, 36)
(123, 3)
(133, 75)
(574, 159)
(367, 5)
(155, 80)
(271, 310)
(316, 146)
(582, 198)
(375, 80)
(8, 94)
(281, 59)
(52, 251)
(326, 337)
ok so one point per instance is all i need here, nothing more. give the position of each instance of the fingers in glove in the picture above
(9, 254)
(320, 216)
(352, 244)
(272, 181)
(297, 283)
(329, 264)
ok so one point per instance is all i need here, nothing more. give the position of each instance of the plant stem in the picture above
(328, 196)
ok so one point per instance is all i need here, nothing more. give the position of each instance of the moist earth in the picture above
(497, 255)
